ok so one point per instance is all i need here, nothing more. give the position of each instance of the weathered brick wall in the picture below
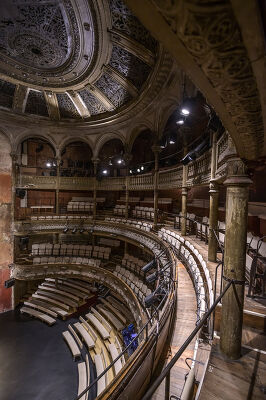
(5, 223)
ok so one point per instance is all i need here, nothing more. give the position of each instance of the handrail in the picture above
(167, 369)
(154, 313)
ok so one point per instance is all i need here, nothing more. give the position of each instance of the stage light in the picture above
(48, 164)
(138, 170)
(185, 111)
(130, 171)
(65, 230)
(142, 168)
(152, 277)
(119, 161)
(105, 171)
(150, 300)
(149, 266)
(180, 122)
(74, 230)
(81, 230)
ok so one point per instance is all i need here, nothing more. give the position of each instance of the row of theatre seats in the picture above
(255, 254)
(137, 285)
(145, 226)
(96, 337)
(64, 249)
(67, 260)
(134, 264)
(120, 209)
(196, 265)
(100, 333)
(143, 212)
(83, 203)
(56, 217)
(57, 298)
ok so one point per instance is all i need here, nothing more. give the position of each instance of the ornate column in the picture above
(214, 202)
(95, 166)
(237, 183)
(14, 158)
(58, 161)
(156, 150)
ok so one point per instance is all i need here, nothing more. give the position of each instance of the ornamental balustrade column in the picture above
(237, 183)
(58, 161)
(184, 131)
(95, 166)
(214, 202)
(156, 150)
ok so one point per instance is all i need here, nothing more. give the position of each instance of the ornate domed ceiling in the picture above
(72, 58)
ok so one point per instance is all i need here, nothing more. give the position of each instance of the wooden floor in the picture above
(184, 324)
(244, 379)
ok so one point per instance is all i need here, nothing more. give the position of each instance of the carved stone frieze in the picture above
(210, 33)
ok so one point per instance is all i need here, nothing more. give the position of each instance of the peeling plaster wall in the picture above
(5, 223)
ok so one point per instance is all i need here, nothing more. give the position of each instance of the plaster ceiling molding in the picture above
(115, 92)
(92, 103)
(36, 104)
(7, 91)
(66, 107)
(123, 20)
(210, 33)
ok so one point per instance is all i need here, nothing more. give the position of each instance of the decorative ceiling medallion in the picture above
(40, 41)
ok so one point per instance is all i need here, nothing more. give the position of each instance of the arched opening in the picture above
(37, 157)
(111, 158)
(142, 155)
(76, 160)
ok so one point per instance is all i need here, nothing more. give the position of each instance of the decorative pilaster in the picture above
(184, 209)
(95, 166)
(237, 183)
(156, 150)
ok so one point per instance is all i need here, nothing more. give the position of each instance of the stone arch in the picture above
(136, 131)
(69, 140)
(104, 139)
(22, 138)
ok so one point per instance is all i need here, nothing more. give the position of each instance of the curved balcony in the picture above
(169, 178)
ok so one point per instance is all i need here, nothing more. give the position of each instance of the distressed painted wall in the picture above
(5, 223)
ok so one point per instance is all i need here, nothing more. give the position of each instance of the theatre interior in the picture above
(132, 200)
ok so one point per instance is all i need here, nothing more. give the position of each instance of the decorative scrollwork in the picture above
(130, 66)
(36, 103)
(7, 91)
(125, 21)
(92, 103)
(113, 90)
(66, 107)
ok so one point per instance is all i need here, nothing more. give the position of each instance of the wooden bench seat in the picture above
(98, 325)
(52, 301)
(82, 372)
(118, 305)
(71, 344)
(37, 314)
(100, 367)
(101, 319)
(60, 292)
(70, 284)
(41, 308)
(62, 299)
(55, 309)
(115, 321)
(114, 354)
(85, 335)
(114, 311)
(67, 289)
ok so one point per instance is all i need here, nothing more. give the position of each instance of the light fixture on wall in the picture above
(180, 122)
(105, 172)
(185, 111)
(142, 168)
(138, 170)
(48, 164)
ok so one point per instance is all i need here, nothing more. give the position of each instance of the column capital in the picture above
(184, 190)
(214, 186)
(237, 173)
(95, 160)
(156, 148)
(14, 156)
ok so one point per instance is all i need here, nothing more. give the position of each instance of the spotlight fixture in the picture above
(130, 171)
(65, 230)
(81, 230)
(138, 170)
(48, 164)
(119, 161)
(74, 230)
(148, 266)
(180, 122)
(105, 171)
(163, 143)
(142, 168)
(185, 111)
(152, 277)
